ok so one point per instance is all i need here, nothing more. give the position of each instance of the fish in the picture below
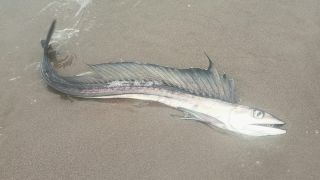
(204, 95)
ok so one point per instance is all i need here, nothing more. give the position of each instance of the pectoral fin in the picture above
(200, 117)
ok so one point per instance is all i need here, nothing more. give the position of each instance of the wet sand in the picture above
(270, 48)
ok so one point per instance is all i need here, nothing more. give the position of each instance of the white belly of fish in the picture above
(233, 117)
(211, 110)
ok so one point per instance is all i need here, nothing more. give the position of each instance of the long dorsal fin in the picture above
(202, 82)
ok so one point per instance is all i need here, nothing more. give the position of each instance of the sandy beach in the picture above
(270, 48)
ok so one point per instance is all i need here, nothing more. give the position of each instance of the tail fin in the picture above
(47, 71)
(45, 43)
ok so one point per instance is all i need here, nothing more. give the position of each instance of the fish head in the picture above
(253, 122)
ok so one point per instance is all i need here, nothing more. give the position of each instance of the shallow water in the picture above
(271, 49)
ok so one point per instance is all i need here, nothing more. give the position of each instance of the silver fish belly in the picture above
(203, 94)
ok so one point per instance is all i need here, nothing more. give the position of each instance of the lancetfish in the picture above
(203, 95)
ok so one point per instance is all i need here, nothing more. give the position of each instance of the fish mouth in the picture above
(271, 125)
(266, 129)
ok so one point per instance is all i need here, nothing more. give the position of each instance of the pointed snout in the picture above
(264, 130)
(266, 126)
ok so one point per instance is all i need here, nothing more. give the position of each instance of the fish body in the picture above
(203, 94)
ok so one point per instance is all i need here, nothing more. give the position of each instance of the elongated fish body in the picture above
(203, 94)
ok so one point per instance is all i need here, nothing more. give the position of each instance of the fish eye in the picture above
(258, 114)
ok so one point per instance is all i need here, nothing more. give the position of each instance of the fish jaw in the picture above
(242, 121)
(262, 129)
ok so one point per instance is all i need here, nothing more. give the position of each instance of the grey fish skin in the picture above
(204, 95)
(73, 85)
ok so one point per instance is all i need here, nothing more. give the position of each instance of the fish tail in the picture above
(46, 68)
(70, 85)
(45, 43)
(48, 73)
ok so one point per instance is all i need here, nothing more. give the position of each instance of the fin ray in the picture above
(202, 82)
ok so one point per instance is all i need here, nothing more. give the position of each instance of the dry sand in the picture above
(270, 48)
